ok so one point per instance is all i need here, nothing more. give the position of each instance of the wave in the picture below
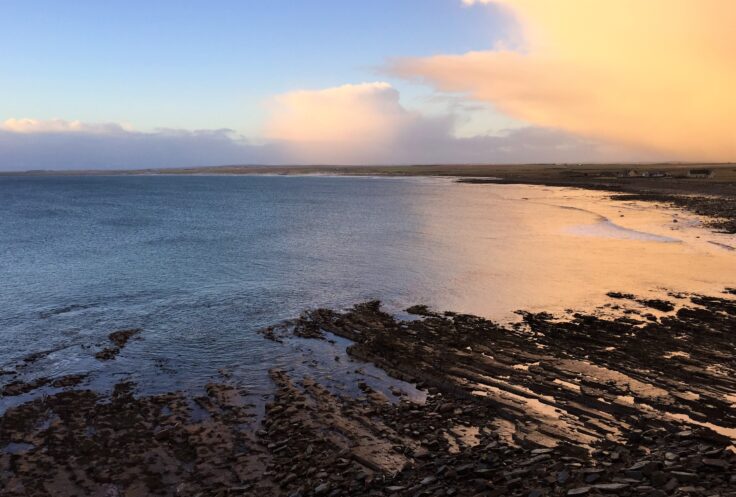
(605, 228)
(66, 309)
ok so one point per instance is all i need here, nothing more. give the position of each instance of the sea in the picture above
(202, 263)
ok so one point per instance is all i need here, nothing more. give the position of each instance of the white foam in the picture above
(605, 228)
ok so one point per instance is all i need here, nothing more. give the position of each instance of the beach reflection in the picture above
(509, 247)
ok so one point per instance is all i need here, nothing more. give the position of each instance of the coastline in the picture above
(636, 402)
(712, 195)
(715, 201)
(630, 397)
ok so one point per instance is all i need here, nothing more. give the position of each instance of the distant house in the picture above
(633, 173)
(700, 173)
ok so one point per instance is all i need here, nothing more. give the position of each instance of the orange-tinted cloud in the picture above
(31, 126)
(656, 75)
(384, 133)
(339, 113)
(340, 123)
(367, 124)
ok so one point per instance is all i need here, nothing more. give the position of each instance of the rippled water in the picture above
(202, 262)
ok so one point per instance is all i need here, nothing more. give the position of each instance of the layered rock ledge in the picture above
(633, 400)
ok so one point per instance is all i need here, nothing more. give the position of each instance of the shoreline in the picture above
(633, 395)
(711, 194)
(636, 402)
(715, 202)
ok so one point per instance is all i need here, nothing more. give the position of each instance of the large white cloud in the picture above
(363, 123)
(657, 74)
(366, 124)
(351, 124)
(349, 113)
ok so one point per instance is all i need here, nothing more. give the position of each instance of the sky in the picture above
(132, 84)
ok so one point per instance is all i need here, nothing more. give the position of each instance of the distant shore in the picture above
(705, 189)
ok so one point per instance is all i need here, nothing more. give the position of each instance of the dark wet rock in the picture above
(270, 334)
(553, 407)
(119, 339)
(35, 356)
(658, 304)
(19, 387)
(620, 295)
(611, 487)
(308, 329)
(716, 463)
(645, 467)
(322, 489)
(420, 310)
(89, 439)
(684, 476)
(71, 380)
(592, 477)
(536, 452)
(670, 485)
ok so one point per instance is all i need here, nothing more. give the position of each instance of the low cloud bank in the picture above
(350, 124)
(110, 146)
(426, 144)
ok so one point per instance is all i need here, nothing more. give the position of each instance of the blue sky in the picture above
(196, 64)
(127, 84)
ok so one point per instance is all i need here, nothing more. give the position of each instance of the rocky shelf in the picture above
(633, 400)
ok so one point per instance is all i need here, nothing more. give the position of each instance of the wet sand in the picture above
(715, 201)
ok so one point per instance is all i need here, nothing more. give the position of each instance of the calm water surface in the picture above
(201, 262)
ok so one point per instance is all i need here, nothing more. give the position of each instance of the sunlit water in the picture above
(201, 262)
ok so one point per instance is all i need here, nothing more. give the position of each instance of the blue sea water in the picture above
(201, 263)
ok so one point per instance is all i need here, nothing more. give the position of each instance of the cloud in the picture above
(366, 124)
(56, 144)
(348, 113)
(655, 75)
(421, 141)
(350, 124)
(59, 126)
(341, 124)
